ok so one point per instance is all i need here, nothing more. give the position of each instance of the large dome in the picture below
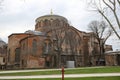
(48, 22)
(51, 17)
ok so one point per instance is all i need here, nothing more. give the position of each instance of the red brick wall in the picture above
(35, 62)
(13, 43)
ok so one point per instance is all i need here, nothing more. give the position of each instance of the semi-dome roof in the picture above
(34, 32)
(51, 17)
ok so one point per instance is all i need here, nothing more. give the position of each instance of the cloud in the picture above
(17, 16)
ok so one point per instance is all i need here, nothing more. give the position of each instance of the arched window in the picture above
(57, 22)
(8, 55)
(17, 55)
(34, 46)
(23, 47)
(41, 23)
(46, 22)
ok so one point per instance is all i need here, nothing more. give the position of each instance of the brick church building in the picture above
(53, 42)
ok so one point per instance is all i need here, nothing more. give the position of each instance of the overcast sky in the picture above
(17, 16)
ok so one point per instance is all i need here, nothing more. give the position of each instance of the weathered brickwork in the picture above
(35, 62)
(3, 54)
(51, 45)
(112, 58)
(13, 44)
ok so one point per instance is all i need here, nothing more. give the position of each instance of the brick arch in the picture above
(34, 46)
(17, 55)
(46, 22)
(57, 23)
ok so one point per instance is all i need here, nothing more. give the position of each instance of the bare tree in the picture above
(109, 10)
(101, 33)
(66, 41)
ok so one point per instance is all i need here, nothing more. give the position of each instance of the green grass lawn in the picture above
(68, 71)
(88, 78)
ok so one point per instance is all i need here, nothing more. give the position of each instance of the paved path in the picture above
(59, 76)
(54, 76)
(15, 71)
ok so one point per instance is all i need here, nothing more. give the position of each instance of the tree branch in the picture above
(109, 23)
(118, 2)
(116, 17)
(109, 34)
(111, 2)
(114, 4)
(103, 29)
(113, 10)
(108, 5)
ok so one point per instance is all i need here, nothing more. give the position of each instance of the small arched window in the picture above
(46, 22)
(34, 46)
(8, 55)
(23, 46)
(17, 55)
(41, 23)
(57, 22)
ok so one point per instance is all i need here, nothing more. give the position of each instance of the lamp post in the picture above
(62, 72)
